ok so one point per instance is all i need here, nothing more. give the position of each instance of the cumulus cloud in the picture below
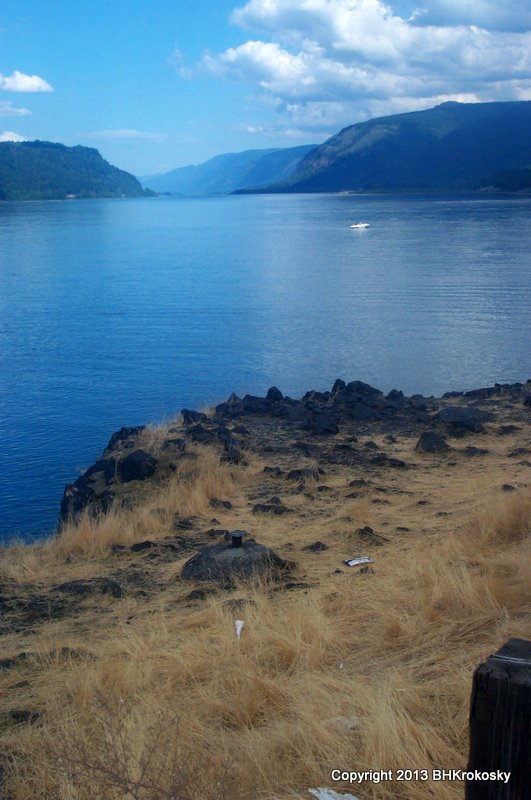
(330, 62)
(19, 82)
(9, 136)
(7, 109)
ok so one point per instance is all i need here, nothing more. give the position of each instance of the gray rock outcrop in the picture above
(222, 563)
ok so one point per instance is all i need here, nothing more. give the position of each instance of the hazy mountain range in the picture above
(454, 146)
(229, 172)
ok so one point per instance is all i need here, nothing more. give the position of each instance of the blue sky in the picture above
(156, 84)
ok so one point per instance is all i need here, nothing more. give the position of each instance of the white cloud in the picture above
(125, 133)
(9, 136)
(18, 82)
(328, 62)
(7, 109)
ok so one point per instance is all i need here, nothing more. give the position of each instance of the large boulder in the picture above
(80, 494)
(432, 442)
(274, 395)
(222, 563)
(137, 466)
(461, 420)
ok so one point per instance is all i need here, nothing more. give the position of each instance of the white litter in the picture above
(238, 624)
(356, 562)
(347, 723)
(329, 794)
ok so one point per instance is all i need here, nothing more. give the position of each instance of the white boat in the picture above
(360, 225)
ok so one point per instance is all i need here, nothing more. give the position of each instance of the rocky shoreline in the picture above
(370, 550)
(324, 427)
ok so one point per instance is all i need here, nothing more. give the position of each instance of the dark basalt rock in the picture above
(475, 451)
(395, 394)
(383, 460)
(255, 405)
(497, 390)
(315, 401)
(322, 424)
(305, 473)
(362, 390)
(88, 586)
(182, 523)
(316, 547)
(339, 386)
(370, 537)
(215, 502)
(190, 416)
(139, 547)
(75, 498)
(125, 434)
(137, 466)
(231, 455)
(197, 594)
(240, 430)
(224, 435)
(463, 419)
(432, 442)
(222, 563)
(507, 430)
(14, 661)
(232, 408)
(354, 407)
(201, 435)
(269, 508)
(274, 395)
(39, 607)
(23, 716)
(177, 443)
(359, 411)
(274, 471)
(106, 467)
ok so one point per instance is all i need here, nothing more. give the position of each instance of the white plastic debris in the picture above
(329, 794)
(238, 624)
(357, 562)
(347, 723)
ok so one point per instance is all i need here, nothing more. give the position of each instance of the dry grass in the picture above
(360, 672)
(186, 493)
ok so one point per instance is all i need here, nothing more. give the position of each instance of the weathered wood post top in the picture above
(500, 726)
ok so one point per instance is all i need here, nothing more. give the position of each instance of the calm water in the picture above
(122, 312)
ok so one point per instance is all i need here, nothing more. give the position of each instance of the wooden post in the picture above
(500, 725)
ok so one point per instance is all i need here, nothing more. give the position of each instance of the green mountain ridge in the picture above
(52, 171)
(454, 146)
(228, 172)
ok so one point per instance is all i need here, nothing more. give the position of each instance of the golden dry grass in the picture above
(156, 698)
